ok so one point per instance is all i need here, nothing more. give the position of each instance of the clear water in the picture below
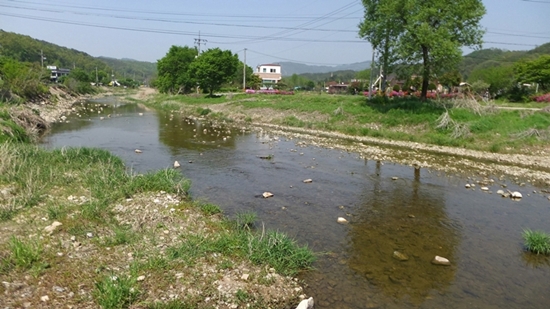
(422, 214)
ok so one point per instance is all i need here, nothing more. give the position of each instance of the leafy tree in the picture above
(213, 68)
(238, 78)
(535, 71)
(499, 78)
(253, 82)
(173, 70)
(450, 79)
(429, 32)
(80, 75)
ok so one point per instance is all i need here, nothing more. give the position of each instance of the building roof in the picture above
(272, 65)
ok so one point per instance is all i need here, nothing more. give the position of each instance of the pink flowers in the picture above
(545, 98)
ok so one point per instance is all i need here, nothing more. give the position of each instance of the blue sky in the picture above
(313, 32)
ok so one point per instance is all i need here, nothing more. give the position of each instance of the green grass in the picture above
(36, 173)
(537, 241)
(24, 254)
(245, 220)
(112, 292)
(271, 248)
(209, 209)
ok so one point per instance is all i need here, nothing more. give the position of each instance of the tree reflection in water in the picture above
(409, 217)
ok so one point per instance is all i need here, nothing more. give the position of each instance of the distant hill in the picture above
(131, 68)
(492, 57)
(27, 49)
(290, 68)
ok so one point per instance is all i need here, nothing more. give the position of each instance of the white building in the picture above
(269, 73)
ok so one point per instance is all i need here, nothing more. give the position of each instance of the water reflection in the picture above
(177, 132)
(403, 217)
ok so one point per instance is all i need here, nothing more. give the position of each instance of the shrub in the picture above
(545, 98)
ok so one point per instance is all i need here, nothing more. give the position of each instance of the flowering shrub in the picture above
(545, 98)
(251, 91)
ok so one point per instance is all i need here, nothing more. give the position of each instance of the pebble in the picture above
(45, 298)
(140, 278)
(342, 220)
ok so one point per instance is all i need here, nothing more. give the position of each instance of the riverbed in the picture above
(416, 211)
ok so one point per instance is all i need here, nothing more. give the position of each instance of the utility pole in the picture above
(371, 70)
(42, 58)
(244, 71)
(96, 80)
(200, 42)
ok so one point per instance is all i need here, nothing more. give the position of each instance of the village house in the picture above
(269, 73)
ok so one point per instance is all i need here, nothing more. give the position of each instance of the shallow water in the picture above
(421, 214)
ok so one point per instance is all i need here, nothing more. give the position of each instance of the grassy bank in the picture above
(456, 123)
(79, 230)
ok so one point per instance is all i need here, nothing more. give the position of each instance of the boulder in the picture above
(176, 164)
(306, 304)
(267, 194)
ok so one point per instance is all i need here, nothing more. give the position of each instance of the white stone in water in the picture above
(141, 114)
(439, 260)
(306, 304)
(308, 181)
(394, 178)
(467, 186)
(516, 195)
(500, 192)
(176, 164)
(267, 194)
(138, 151)
(342, 220)
(484, 189)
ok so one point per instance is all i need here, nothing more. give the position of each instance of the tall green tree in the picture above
(173, 70)
(213, 68)
(429, 32)
(535, 71)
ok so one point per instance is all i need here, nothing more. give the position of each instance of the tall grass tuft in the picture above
(245, 220)
(116, 293)
(24, 255)
(280, 252)
(536, 241)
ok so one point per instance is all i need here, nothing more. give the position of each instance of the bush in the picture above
(545, 98)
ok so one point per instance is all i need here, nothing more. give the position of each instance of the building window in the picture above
(273, 70)
(264, 70)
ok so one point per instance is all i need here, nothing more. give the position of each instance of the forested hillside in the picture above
(24, 48)
(494, 57)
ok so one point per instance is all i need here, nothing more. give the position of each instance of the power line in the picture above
(292, 60)
(175, 32)
(126, 10)
(175, 21)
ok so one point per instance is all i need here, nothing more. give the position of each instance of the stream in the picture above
(389, 207)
